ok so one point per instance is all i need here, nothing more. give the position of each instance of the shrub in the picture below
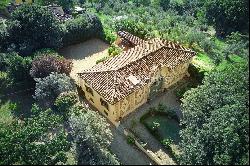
(43, 66)
(33, 27)
(65, 101)
(207, 45)
(130, 140)
(109, 36)
(114, 50)
(167, 143)
(5, 81)
(102, 59)
(18, 68)
(82, 28)
(49, 88)
(171, 147)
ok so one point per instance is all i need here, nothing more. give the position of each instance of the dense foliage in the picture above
(216, 119)
(31, 141)
(43, 66)
(3, 3)
(5, 81)
(32, 27)
(228, 16)
(18, 67)
(114, 50)
(65, 101)
(93, 137)
(82, 28)
(50, 87)
(66, 4)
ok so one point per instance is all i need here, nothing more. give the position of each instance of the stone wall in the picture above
(95, 100)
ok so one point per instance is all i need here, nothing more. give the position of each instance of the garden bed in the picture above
(168, 128)
(164, 125)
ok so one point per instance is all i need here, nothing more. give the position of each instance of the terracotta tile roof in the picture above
(112, 78)
(131, 38)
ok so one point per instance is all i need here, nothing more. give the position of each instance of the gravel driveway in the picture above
(85, 55)
(128, 154)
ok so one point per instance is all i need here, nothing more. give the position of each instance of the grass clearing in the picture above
(6, 115)
(233, 58)
(203, 62)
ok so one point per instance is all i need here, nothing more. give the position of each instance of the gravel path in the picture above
(128, 154)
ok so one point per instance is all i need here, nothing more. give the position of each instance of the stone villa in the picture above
(117, 86)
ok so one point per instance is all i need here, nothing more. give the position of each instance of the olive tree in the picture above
(93, 137)
(49, 88)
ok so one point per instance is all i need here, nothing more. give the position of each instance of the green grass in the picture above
(203, 62)
(5, 113)
(219, 43)
(234, 59)
(169, 128)
(237, 59)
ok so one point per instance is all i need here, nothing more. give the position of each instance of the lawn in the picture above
(203, 62)
(6, 115)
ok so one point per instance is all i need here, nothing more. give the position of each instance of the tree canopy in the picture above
(34, 140)
(93, 137)
(216, 119)
(50, 87)
(33, 27)
(228, 16)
